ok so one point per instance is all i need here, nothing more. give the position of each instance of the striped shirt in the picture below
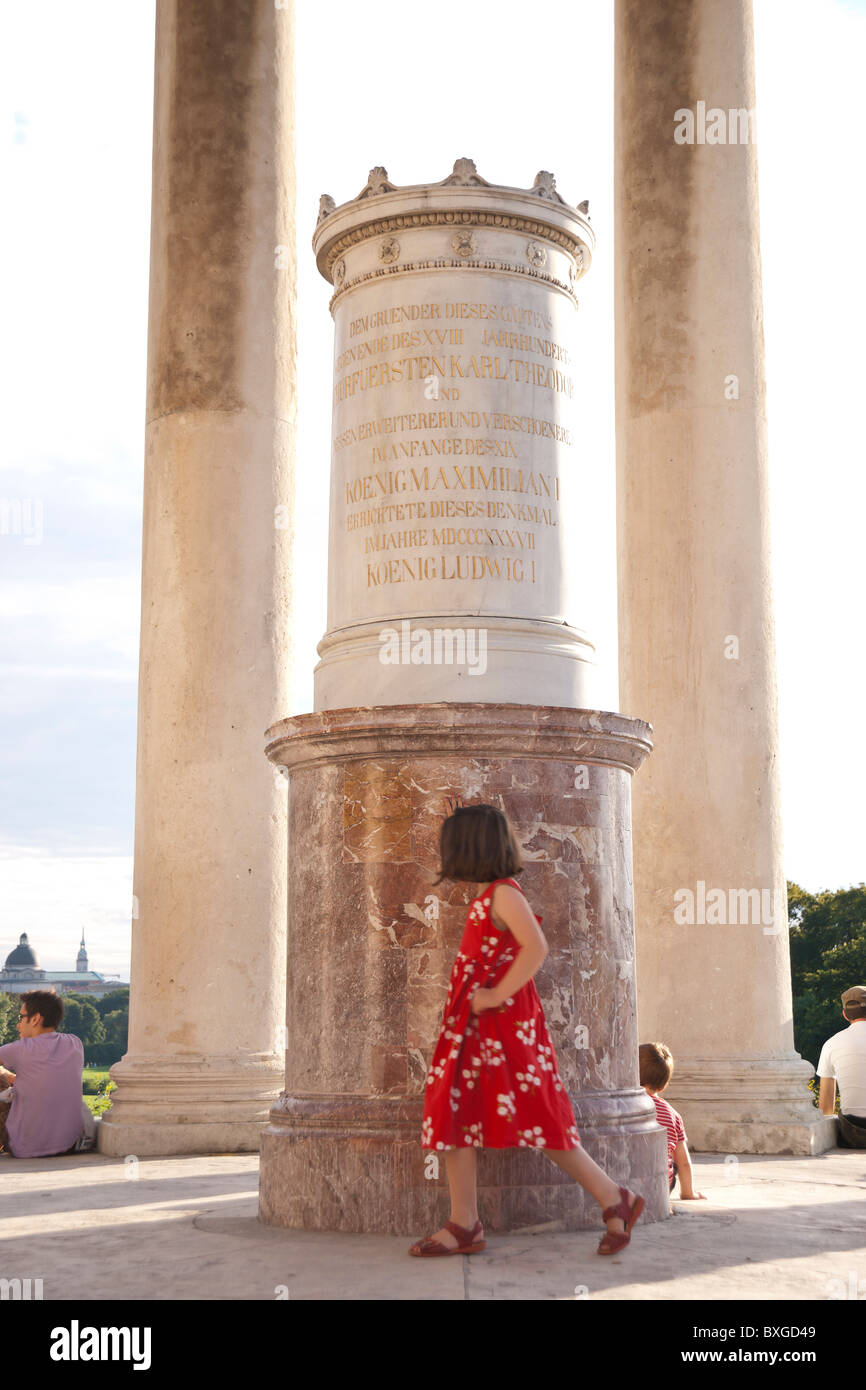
(672, 1122)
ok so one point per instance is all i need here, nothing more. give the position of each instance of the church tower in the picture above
(81, 962)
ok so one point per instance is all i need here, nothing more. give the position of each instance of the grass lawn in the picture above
(97, 1104)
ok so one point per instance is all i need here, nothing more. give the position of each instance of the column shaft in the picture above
(697, 647)
(208, 947)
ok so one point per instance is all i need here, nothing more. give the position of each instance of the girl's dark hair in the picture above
(478, 844)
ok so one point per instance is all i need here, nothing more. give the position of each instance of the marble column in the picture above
(205, 1056)
(455, 435)
(697, 649)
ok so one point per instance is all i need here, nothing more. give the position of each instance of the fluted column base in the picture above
(189, 1105)
(757, 1105)
(353, 1163)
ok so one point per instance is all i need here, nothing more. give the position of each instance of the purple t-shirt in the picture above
(45, 1114)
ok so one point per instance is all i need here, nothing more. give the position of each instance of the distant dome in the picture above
(23, 955)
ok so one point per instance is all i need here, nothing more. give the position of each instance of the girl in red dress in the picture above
(493, 1082)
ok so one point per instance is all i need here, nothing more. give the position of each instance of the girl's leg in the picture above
(460, 1164)
(578, 1165)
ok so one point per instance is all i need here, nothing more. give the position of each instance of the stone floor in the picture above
(93, 1227)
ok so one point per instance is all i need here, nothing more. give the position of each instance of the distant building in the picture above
(22, 971)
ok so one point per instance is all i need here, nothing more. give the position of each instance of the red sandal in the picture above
(469, 1242)
(612, 1241)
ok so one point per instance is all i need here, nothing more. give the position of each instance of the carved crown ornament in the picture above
(463, 175)
(387, 221)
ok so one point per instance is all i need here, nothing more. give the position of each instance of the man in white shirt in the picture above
(843, 1059)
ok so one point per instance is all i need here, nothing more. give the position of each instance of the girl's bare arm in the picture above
(508, 906)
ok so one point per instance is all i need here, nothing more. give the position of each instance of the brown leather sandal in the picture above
(612, 1241)
(469, 1242)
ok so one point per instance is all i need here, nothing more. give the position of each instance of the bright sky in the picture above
(413, 96)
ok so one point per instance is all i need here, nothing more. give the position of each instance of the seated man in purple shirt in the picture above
(44, 1068)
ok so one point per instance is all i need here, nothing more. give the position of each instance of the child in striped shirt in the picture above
(656, 1070)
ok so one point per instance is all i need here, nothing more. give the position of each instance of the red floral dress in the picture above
(493, 1082)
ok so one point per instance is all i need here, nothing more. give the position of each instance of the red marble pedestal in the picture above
(371, 944)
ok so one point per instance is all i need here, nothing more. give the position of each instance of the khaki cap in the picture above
(854, 996)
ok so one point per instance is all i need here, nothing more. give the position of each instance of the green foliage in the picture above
(95, 1082)
(8, 1018)
(116, 1025)
(828, 955)
(103, 1055)
(99, 1104)
(101, 1024)
(113, 1010)
(81, 1017)
(117, 999)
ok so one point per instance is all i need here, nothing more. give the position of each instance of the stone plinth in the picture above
(750, 1105)
(455, 444)
(372, 942)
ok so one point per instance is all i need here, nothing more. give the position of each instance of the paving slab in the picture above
(92, 1227)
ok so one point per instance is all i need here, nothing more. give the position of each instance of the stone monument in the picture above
(450, 665)
(453, 438)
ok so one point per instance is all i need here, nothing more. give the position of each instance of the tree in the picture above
(828, 956)
(116, 1026)
(8, 1018)
(81, 1017)
(116, 999)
